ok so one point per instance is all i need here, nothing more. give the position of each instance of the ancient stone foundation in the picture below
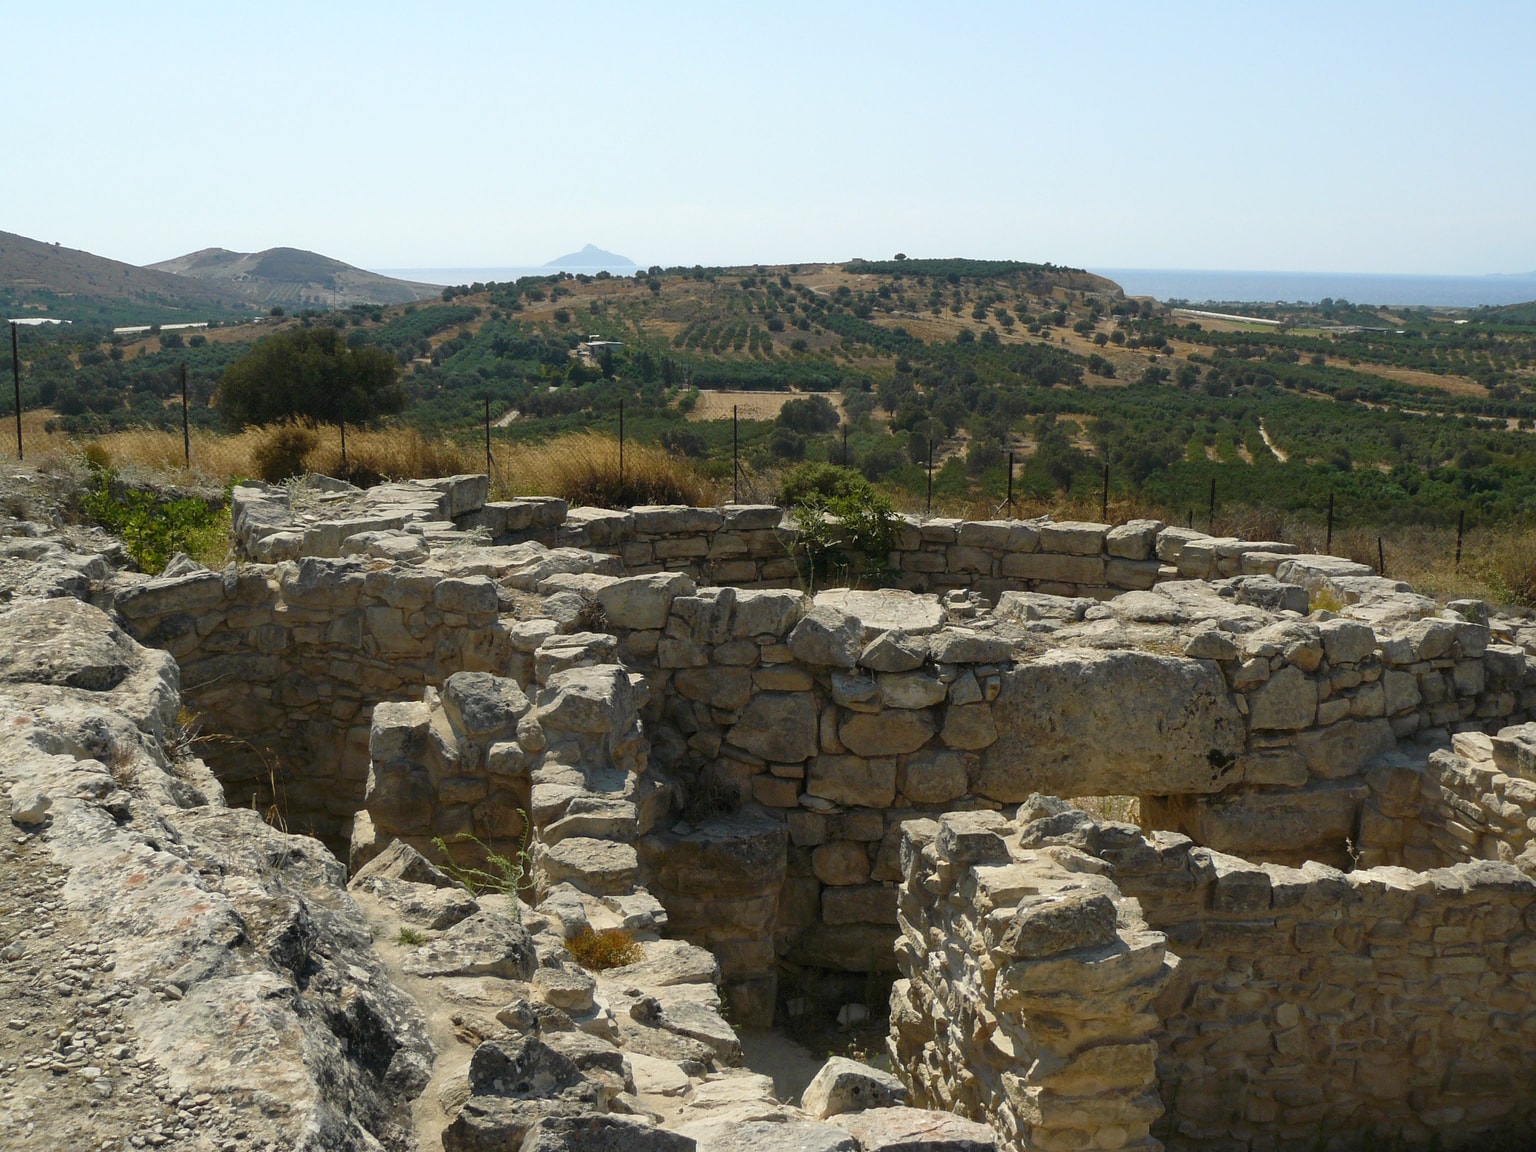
(1318, 932)
(1087, 985)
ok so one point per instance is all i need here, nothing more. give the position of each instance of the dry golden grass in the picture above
(583, 468)
(1498, 565)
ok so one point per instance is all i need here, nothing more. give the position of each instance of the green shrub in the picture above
(847, 529)
(155, 527)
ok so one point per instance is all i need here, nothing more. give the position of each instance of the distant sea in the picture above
(447, 276)
(1293, 287)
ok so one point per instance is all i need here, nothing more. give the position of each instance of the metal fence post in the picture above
(16, 379)
(1328, 547)
(930, 478)
(1211, 511)
(1104, 501)
(186, 434)
(1461, 527)
(488, 435)
(735, 460)
(621, 442)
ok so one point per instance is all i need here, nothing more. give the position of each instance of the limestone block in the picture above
(778, 726)
(844, 1085)
(573, 650)
(969, 726)
(886, 609)
(972, 560)
(783, 678)
(1053, 924)
(855, 691)
(729, 688)
(1346, 641)
(1344, 748)
(859, 904)
(485, 944)
(643, 601)
(932, 776)
(894, 651)
(1288, 699)
(1401, 689)
(1134, 574)
(483, 707)
(910, 690)
(1078, 722)
(1073, 537)
(752, 517)
(892, 732)
(597, 867)
(771, 611)
(675, 519)
(597, 699)
(1054, 567)
(841, 862)
(1134, 540)
(468, 595)
(964, 646)
(853, 780)
(774, 791)
(904, 1129)
(399, 731)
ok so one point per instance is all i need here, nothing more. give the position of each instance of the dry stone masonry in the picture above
(1322, 929)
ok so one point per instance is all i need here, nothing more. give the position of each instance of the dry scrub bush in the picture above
(584, 469)
(600, 951)
(283, 453)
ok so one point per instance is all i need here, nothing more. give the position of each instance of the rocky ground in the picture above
(174, 972)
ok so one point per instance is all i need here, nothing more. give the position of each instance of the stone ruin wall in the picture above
(843, 728)
(1085, 985)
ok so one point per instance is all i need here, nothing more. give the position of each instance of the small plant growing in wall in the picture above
(410, 938)
(508, 875)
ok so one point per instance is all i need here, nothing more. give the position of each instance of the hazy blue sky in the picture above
(1394, 137)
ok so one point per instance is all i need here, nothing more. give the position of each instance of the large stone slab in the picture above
(886, 609)
(1078, 722)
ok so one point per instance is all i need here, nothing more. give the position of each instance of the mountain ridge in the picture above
(294, 276)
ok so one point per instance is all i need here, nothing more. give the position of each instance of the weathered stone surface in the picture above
(1288, 699)
(485, 944)
(599, 867)
(643, 601)
(969, 726)
(29, 806)
(932, 777)
(1075, 537)
(853, 780)
(827, 636)
(483, 707)
(778, 726)
(64, 643)
(892, 732)
(602, 1133)
(917, 1130)
(778, 1135)
(894, 651)
(1133, 540)
(1088, 723)
(596, 699)
(845, 1085)
(1074, 920)
(841, 862)
(910, 690)
(886, 610)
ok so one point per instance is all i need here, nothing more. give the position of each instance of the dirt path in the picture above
(1270, 444)
(70, 1072)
